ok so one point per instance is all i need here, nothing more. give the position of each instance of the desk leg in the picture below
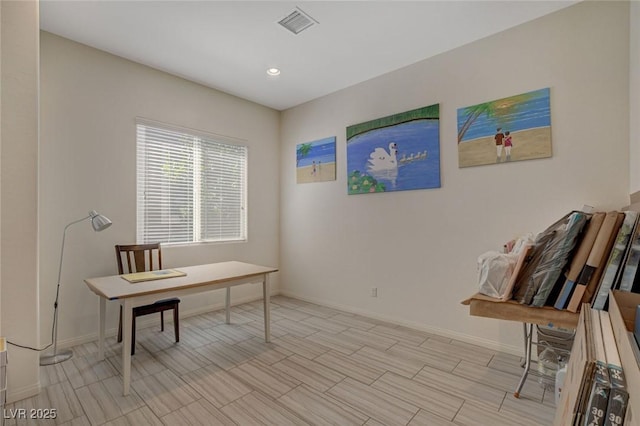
(103, 315)
(227, 305)
(127, 315)
(528, 338)
(266, 294)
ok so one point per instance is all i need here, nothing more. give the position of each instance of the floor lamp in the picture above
(99, 223)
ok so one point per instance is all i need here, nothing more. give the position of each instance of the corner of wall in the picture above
(19, 38)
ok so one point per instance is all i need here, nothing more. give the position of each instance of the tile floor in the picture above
(323, 367)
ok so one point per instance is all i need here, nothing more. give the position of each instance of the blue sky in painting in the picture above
(533, 113)
(322, 150)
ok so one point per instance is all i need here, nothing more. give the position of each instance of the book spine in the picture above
(616, 260)
(631, 265)
(565, 294)
(599, 400)
(616, 407)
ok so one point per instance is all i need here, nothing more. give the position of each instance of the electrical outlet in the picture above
(374, 292)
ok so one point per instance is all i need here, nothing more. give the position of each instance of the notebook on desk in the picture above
(153, 275)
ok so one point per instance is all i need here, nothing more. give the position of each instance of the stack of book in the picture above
(578, 259)
(594, 391)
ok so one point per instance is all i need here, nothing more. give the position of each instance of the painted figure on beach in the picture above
(482, 129)
(507, 145)
(498, 138)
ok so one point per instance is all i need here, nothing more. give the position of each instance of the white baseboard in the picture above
(145, 322)
(489, 344)
(24, 392)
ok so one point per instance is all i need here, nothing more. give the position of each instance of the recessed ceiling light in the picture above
(273, 71)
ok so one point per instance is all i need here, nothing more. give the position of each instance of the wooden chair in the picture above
(140, 258)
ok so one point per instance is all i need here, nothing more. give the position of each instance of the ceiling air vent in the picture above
(297, 21)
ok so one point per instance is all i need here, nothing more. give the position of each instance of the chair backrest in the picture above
(138, 258)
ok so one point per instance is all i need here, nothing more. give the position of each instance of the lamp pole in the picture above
(99, 223)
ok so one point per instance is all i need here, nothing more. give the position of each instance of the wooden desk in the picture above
(199, 279)
(511, 310)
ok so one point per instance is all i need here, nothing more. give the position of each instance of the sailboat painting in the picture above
(505, 130)
(395, 153)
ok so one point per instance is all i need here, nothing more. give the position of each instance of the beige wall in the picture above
(419, 248)
(19, 189)
(90, 100)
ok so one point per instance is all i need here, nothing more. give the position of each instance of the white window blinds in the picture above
(191, 187)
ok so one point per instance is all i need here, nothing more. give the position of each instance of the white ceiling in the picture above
(228, 45)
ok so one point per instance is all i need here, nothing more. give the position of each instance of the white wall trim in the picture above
(149, 321)
(23, 392)
(489, 344)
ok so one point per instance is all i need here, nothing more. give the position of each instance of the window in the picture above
(191, 187)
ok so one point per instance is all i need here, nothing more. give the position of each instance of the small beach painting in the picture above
(316, 161)
(510, 129)
(395, 153)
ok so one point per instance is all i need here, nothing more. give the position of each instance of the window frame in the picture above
(211, 137)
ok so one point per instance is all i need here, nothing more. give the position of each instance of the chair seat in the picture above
(159, 306)
(169, 300)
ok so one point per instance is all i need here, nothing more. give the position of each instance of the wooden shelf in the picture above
(487, 307)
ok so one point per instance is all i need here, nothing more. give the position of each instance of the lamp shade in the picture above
(98, 221)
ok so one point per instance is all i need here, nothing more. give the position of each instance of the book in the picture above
(544, 246)
(160, 274)
(630, 268)
(598, 256)
(576, 298)
(587, 379)
(601, 386)
(579, 259)
(617, 257)
(554, 262)
(601, 255)
(618, 395)
(521, 291)
(565, 294)
(635, 288)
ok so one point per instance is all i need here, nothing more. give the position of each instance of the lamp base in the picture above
(55, 358)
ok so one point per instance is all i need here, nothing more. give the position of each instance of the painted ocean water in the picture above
(532, 113)
(323, 151)
(415, 170)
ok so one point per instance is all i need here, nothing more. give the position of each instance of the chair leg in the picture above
(176, 323)
(120, 326)
(133, 335)
(161, 320)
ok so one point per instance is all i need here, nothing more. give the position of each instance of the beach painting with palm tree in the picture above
(316, 161)
(510, 129)
(395, 153)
